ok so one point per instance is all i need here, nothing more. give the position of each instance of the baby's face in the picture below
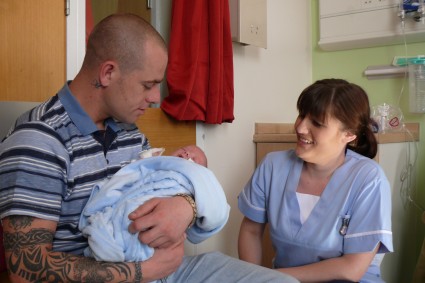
(192, 153)
(181, 152)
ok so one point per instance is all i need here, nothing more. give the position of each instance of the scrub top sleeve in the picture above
(252, 199)
(370, 221)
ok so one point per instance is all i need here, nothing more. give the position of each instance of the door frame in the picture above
(75, 37)
(76, 31)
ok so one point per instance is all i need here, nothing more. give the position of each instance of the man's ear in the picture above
(108, 71)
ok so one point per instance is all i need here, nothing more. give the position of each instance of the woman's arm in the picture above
(29, 258)
(350, 267)
(250, 241)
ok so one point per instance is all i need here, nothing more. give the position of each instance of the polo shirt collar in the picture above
(77, 114)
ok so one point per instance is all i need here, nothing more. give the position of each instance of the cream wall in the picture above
(267, 84)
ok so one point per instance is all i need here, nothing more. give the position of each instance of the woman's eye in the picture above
(316, 123)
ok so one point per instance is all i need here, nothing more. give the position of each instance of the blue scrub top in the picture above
(358, 192)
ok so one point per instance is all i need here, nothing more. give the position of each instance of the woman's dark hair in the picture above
(346, 102)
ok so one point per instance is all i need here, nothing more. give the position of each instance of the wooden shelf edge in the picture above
(284, 132)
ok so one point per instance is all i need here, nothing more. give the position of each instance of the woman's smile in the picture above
(304, 140)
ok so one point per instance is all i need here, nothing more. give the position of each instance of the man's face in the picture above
(135, 90)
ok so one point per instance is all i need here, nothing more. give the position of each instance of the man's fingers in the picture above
(143, 209)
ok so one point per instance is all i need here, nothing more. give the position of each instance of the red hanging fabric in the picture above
(89, 19)
(200, 67)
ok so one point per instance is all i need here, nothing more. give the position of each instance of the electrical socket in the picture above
(249, 22)
(253, 22)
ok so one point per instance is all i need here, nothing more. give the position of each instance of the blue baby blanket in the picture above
(104, 220)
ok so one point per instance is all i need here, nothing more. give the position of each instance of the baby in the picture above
(105, 217)
(190, 152)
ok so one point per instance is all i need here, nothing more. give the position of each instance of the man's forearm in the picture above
(29, 260)
(29, 257)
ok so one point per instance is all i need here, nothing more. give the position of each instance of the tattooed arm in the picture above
(29, 258)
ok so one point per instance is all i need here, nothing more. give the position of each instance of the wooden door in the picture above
(32, 49)
(103, 8)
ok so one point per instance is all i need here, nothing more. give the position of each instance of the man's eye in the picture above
(149, 85)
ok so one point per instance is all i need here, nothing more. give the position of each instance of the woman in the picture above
(328, 204)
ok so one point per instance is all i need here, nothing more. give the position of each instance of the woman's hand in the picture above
(351, 267)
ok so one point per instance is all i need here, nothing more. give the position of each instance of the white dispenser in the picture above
(417, 85)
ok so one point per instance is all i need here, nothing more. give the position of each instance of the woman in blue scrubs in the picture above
(328, 203)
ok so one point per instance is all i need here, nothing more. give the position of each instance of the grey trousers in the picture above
(216, 267)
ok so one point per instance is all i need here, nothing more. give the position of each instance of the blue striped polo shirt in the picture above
(52, 158)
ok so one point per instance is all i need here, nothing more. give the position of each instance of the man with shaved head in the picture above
(55, 154)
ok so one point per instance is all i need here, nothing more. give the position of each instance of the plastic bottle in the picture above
(417, 86)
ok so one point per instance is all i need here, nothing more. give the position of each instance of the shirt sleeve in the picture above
(32, 172)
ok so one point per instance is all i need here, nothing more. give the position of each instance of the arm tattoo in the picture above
(30, 257)
(20, 222)
(26, 251)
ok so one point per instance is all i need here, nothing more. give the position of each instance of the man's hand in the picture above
(164, 261)
(161, 222)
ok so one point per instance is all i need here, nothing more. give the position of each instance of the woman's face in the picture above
(321, 142)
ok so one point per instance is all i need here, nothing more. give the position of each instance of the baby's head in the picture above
(192, 152)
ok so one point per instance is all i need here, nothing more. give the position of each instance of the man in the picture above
(79, 137)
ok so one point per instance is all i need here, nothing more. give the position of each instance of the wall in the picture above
(350, 65)
(267, 84)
